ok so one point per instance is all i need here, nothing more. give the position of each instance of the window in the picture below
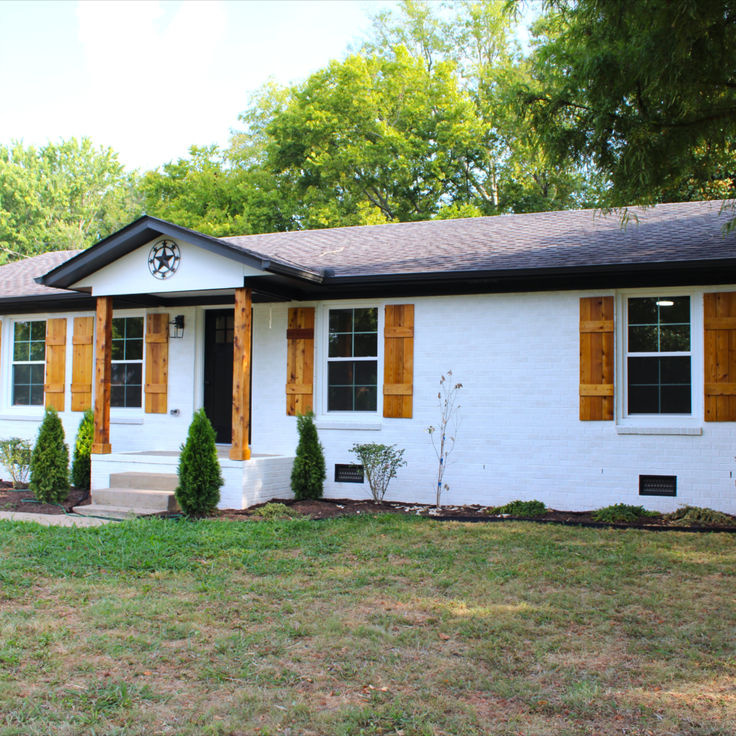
(127, 362)
(352, 360)
(29, 353)
(658, 355)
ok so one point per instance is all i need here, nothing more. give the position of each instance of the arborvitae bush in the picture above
(198, 492)
(50, 461)
(308, 473)
(81, 460)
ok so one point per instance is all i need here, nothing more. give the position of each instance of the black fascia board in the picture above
(147, 228)
(626, 275)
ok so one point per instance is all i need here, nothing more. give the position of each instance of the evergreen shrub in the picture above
(50, 461)
(81, 458)
(198, 492)
(308, 472)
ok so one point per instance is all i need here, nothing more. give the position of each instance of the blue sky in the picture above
(149, 78)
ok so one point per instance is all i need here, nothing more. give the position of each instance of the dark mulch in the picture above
(23, 500)
(331, 508)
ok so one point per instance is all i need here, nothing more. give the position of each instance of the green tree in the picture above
(50, 461)
(645, 91)
(82, 456)
(61, 196)
(308, 472)
(198, 492)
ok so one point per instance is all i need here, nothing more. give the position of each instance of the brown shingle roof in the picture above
(578, 238)
(17, 278)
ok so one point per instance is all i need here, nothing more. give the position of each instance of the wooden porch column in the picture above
(241, 374)
(103, 371)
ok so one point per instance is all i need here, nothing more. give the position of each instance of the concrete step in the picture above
(151, 481)
(111, 512)
(136, 498)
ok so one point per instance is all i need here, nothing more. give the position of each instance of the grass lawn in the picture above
(386, 625)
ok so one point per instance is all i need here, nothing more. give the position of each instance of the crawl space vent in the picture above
(348, 473)
(657, 485)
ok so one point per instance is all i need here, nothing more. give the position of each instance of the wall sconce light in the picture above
(176, 326)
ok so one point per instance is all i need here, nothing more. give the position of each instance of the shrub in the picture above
(700, 516)
(380, 463)
(15, 455)
(275, 511)
(81, 460)
(198, 492)
(50, 461)
(308, 472)
(622, 512)
(521, 508)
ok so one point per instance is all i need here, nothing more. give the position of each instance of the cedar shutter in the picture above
(596, 358)
(719, 314)
(398, 361)
(82, 359)
(157, 362)
(299, 360)
(55, 363)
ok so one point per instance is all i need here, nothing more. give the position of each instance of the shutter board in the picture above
(596, 358)
(82, 363)
(398, 361)
(300, 360)
(719, 340)
(55, 363)
(157, 363)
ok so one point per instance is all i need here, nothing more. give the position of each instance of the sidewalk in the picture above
(52, 519)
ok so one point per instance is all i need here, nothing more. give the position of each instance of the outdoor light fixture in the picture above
(176, 326)
(665, 303)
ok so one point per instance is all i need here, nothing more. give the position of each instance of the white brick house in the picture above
(592, 356)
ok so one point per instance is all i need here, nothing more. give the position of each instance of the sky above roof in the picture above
(150, 78)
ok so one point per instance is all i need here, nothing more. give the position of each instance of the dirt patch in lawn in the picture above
(331, 508)
(22, 499)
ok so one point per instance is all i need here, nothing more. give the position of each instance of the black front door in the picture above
(218, 371)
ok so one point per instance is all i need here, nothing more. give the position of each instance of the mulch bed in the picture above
(23, 500)
(331, 508)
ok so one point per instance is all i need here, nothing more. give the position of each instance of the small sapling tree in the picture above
(380, 463)
(308, 472)
(198, 492)
(15, 455)
(443, 436)
(81, 458)
(50, 461)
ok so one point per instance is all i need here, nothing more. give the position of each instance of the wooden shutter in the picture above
(398, 360)
(299, 360)
(719, 314)
(55, 363)
(157, 363)
(82, 359)
(596, 358)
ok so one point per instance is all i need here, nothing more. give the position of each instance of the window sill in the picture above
(349, 423)
(688, 431)
(22, 417)
(126, 420)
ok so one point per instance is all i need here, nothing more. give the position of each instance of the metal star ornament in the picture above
(163, 259)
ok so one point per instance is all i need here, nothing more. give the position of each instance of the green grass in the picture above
(382, 625)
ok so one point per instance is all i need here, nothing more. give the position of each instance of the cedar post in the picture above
(103, 371)
(241, 374)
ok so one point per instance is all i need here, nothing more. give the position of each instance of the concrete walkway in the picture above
(52, 519)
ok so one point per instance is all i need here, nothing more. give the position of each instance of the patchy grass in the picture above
(382, 625)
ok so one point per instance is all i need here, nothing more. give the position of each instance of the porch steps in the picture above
(133, 494)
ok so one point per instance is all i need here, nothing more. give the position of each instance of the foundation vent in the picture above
(657, 485)
(348, 473)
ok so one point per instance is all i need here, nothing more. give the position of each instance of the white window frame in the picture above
(695, 353)
(12, 363)
(348, 419)
(127, 410)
